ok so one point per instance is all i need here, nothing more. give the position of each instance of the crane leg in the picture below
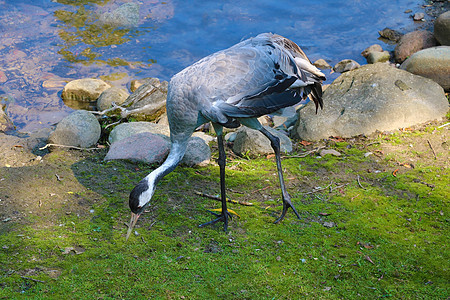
(275, 143)
(224, 215)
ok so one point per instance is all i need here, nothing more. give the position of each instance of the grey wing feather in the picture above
(253, 78)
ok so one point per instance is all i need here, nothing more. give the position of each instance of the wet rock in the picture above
(3, 77)
(136, 83)
(373, 48)
(249, 141)
(433, 63)
(375, 57)
(412, 42)
(419, 16)
(84, 90)
(125, 130)
(198, 153)
(127, 15)
(79, 129)
(145, 147)
(113, 94)
(345, 66)
(148, 102)
(5, 123)
(322, 64)
(390, 34)
(442, 29)
(373, 97)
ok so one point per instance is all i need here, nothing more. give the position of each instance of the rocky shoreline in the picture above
(394, 90)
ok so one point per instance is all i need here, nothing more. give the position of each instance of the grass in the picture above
(364, 233)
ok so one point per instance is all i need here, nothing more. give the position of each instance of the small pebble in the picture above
(418, 16)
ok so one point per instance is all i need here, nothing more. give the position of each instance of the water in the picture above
(46, 43)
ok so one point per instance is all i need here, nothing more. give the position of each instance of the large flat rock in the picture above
(373, 97)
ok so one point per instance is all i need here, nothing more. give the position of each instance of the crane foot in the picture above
(220, 217)
(286, 204)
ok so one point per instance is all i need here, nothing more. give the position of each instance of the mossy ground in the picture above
(372, 226)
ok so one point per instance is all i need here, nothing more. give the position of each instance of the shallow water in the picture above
(46, 43)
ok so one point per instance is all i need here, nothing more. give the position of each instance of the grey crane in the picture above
(258, 76)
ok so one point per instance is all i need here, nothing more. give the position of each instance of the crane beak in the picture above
(134, 218)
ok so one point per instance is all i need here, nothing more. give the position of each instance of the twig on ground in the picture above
(445, 125)
(373, 143)
(431, 146)
(219, 199)
(36, 280)
(66, 146)
(359, 183)
(259, 190)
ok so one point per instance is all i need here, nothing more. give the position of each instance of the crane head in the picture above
(140, 197)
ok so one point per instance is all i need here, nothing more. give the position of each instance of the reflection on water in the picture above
(46, 43)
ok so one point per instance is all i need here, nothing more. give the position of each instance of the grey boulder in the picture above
(153, 149)
(145, 147)
(412, 42)
(442, 29)
(198, 153)
(373, 97)
(84, 90)
(433, 63)
(125, 130)
(114, 94)
(250, 141)
(79, 129)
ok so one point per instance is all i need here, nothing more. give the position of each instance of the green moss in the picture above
(361, 234)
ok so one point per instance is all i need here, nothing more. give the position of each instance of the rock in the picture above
(125, 130)
(412, 42)
(373, 48)
(136, 83)
(205, 137)
(329, 151)
(153, 149)
(148, 102)
(373, 97)
(198, 153)
(390, 34)
(145, 147)
(5, 123)
(375, 57)
(442, 29)
(250, 141)
(84, 90)
(322, 64)
(113, 94)
(433, 63)
(345, 65)
(230, 136)
(79, 129)
(419, 16)
(127, 15)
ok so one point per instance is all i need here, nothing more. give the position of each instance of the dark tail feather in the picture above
(316, 95)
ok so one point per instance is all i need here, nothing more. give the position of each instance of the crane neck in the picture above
(176, 154)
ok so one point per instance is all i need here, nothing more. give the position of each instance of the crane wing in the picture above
(256, 77)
